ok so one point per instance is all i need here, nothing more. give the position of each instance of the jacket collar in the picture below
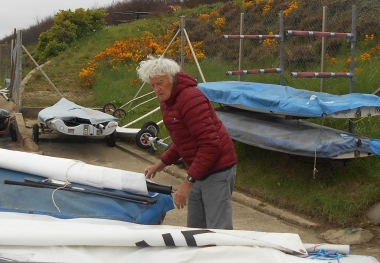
(181, 81)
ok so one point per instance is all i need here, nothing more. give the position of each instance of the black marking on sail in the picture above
(189, 236)
(142, 244)
(168, 239)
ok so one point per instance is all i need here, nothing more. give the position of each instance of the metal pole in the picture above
(1, 62)
(194, 56)
(353, 47)
(182, 43)
(12, 62)
(353, 54)
(323, 51)
(40, 69)
(142, 117)
(176, 34)
(16, 89)
(282, 47)
(241, 43)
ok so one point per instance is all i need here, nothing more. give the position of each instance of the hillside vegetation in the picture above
(101, 68)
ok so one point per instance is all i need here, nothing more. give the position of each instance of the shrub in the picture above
(68, 26)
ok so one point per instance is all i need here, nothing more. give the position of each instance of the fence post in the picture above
(352, 64)
(282, 68)
(12, 62)
(16, 88)
(1, 62)
(241, 43)
(323, 51)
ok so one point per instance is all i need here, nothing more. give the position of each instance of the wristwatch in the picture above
(190, 179)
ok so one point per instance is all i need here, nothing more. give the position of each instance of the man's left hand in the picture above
(180, 196)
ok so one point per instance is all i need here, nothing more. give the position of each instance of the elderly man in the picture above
(199, 138)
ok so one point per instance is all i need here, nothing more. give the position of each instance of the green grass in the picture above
(338, 193)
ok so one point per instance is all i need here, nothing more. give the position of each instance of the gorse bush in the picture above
(129, 51)
(68, 26)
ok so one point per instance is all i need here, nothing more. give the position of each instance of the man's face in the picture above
(162, 87)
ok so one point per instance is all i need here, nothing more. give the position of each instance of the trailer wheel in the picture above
(119, 113)
(109, 108)
(13, 131)
(151, 125)
(142, 138)
(36, 134)
(112, 139)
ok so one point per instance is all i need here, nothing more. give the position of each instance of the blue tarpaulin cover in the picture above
(24, 199)
(285, 100)
(276, 133)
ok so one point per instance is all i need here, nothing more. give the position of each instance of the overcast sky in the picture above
(21, 14)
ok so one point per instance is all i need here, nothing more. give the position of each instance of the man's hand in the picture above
(180, 196)
(151, 170)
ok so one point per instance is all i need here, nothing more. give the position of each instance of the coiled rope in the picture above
(326, 255)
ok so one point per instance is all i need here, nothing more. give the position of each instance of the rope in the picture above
(326, 255)
(315, 171)
(66, 184)
(359, 119)
(52, 194)
(369, 115)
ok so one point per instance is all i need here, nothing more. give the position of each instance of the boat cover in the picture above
(278, 99)
(39, 238)
(69, 204)
(65, 109)
(291, 136)
(4, 113)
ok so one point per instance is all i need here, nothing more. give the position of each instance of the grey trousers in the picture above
(209, 202)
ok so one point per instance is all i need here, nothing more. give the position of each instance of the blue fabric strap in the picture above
(326, 255)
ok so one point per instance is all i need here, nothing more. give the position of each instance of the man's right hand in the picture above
(151, 170)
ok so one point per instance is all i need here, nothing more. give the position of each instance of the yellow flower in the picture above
(293, 5)
(247, 4)
(267, 7)
(270, 41)
(365, 56)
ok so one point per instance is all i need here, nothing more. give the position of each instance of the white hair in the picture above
(157, 66)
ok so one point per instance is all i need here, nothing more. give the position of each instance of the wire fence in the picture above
(5, 61)
(255, 42)
(11, 70)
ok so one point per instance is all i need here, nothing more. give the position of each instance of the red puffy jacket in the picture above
(199, 136)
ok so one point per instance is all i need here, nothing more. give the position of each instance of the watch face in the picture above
(190, 179)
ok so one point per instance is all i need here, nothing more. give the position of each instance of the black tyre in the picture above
(119, 113)
(112, 139)
(13, 130)
(36, 133)
(151, 125)
(142, 138)
(109, 108)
